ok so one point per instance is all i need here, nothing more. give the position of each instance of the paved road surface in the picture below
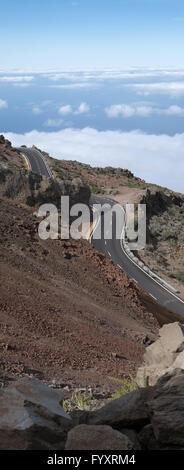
(37, 162)
(113, 249)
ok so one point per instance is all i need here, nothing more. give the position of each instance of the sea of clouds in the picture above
(157, 93)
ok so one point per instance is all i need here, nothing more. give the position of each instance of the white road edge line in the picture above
(151, 295)
(147, 274)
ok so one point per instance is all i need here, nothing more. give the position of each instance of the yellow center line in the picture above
(28, 166)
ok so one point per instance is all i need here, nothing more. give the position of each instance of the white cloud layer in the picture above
(165, 88)
(82, 77)
(3, 104)
(75, 86)
(17, 78)
(128, 111)
(156, 158)
(115, 74)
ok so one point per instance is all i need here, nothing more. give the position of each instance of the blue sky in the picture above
(101, 82)
(96, 33)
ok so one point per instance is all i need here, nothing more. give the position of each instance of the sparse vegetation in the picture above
(96, 189)
(179, 275)
(161, 259)
(114, 192)
(126, 385)
(80, 401)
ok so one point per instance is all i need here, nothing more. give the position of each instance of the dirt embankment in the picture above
(66, 312)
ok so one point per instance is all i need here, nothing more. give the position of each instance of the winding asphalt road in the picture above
(37, 161)
(113, 248)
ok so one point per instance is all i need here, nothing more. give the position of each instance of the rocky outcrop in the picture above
(119, 172)
(154, 416)
(85, 437)
(166, 409)
(9, 156)
(31, 417)
(129, 411)
(164, 223)
(147, 440)
(34, 189)
(158, 202)
(165, 355)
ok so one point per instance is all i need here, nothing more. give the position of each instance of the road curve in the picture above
(113, 248)
(37, 161)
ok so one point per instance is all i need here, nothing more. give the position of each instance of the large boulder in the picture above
(166, 409)
(31, 417)
(179, 362)
(129, 411)
(172, 337)
(84, 437)
(163, 356)
(147, 438)
(148, 375)
(133, 436)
